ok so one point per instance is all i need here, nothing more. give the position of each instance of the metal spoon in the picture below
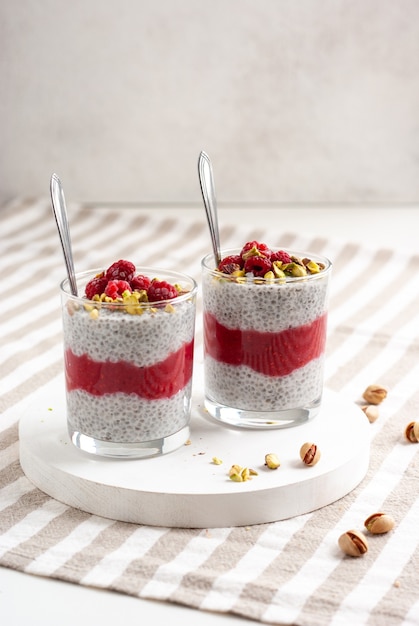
(206, 180)
(60, 214)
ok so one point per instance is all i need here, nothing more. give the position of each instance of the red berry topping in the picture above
(282, 256)
(121, 270)
(140, 282)
(230, 264)
(262, 248)
(161, 290)
(257, 265)
(115, 288)
(96, 286)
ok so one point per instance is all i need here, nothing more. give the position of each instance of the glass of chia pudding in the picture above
(265, 324)
(128, 360)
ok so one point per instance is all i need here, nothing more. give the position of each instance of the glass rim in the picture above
(152, 272)
(208, 266)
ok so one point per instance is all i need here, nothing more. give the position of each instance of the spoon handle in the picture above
(60, 214)
(206, 180)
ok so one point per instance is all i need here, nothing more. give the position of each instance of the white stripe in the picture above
(32, 340)
(79, 538)
(12, 492)
(227, 588)
(27, 369)
(381, 576)
(168, 576)
(114, 564)
(30, 525)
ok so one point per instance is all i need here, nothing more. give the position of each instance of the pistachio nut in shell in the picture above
(353, 543)
(309, 453)
(379, 523)
(375, 394)
(412, 432)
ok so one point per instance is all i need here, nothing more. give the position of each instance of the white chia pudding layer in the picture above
(264, 308)
(126, 418)
(143, 340)
(243, 388)
(139, 339)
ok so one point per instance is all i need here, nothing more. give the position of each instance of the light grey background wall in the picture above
(295, 101)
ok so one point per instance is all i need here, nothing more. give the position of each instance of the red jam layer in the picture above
(272, 354)
(155, 382)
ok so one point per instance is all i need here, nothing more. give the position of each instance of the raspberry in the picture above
(230, 264)
(140, 282)
(115, 288)
(282, 256)
(121, 270)
(261, 247)
(161, 290)
(257, 265)
(96, 286)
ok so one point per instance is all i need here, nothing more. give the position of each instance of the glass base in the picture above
(138, 450)
(262, 419)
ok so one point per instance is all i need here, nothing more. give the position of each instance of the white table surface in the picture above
(32, 600)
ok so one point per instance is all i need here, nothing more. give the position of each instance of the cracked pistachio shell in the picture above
(379, 523)
(353, 543)
(412, 432)
(309, 453)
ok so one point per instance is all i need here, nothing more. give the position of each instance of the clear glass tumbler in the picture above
(264, 344)
(128, 369)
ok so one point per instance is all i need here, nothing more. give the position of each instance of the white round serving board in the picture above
(185, 488)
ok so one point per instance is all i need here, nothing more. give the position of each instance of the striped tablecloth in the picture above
(288, 572)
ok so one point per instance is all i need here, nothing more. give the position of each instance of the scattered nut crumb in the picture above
(371, 411)
(188, 442)
(216, 460)
(396, 583)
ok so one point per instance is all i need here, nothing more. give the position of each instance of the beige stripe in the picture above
(373, 265)
(401, 597)
(106, 542)
(371, 350)
(7, 438)
(33, 324)
(40, 378)
(10, 473)
(196, 584)
(12, 515)
(381, 299)
(24, 356)
(140, 571)
(56, 530)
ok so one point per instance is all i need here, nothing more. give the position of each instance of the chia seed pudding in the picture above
(129, 357)
(265, 316)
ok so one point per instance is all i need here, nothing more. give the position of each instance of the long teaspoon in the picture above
(60, 214)
(206, 180)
